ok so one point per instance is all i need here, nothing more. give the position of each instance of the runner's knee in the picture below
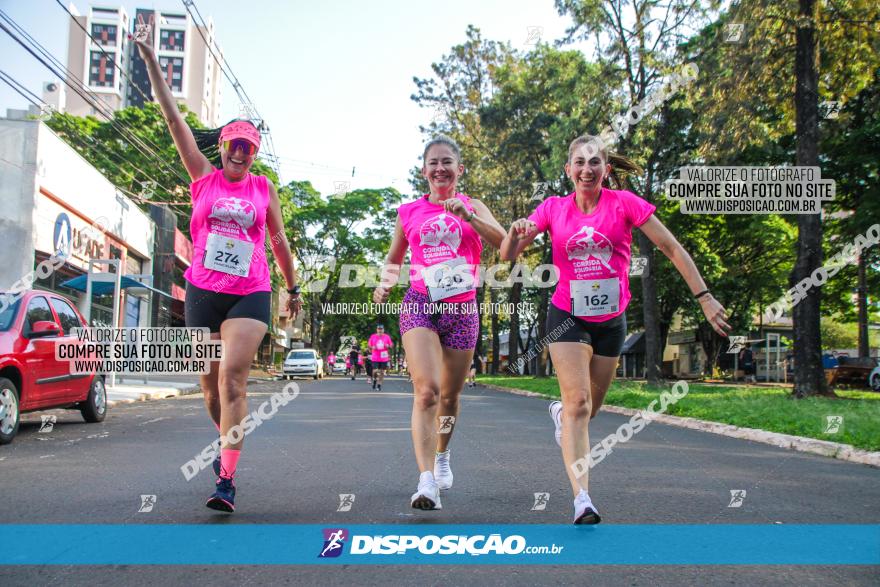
(426, 395)
(578, 407)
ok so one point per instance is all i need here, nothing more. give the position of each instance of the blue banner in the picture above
(526, 544)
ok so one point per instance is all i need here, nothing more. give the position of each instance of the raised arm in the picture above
(197, 165)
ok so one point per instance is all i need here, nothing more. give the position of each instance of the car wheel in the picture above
(875, 382)
(94, 409)
(9, 411)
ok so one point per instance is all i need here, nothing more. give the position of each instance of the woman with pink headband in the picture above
(228, 288)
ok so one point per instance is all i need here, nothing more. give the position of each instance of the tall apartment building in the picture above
(191, 68)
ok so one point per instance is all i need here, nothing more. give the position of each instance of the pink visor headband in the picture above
(241, 130)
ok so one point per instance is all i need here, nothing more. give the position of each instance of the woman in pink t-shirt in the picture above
(228, 289)
(439, 323)
(591, 232)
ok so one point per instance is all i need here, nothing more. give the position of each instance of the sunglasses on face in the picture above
(246, 147)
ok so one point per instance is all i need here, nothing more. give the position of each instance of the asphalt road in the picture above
(339, 437)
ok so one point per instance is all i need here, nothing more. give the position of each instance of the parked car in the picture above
(874, 379)
(339, 367)
(303, 362)
(31, 378)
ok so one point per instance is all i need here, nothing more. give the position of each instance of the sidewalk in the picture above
(836, 450)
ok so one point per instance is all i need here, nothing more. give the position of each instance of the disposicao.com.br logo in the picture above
(451, 544)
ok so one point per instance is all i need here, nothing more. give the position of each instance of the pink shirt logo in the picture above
(437, 232)
(231, 211)
(589, 244)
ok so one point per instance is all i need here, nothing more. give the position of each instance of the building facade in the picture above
(60, 209)
(108, 64)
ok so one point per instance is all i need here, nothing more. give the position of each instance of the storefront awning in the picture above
(106, 287)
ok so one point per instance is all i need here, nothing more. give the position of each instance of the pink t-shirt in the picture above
(360, 359)
(592, 246)
(381, 344)
(436, 236)
(230, 209)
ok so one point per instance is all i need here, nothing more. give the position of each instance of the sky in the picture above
(332, 79)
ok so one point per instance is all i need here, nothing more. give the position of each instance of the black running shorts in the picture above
(207, 309)
(606, 338)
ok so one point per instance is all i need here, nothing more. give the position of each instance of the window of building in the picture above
(66, 314)
(170, 40)
(101, 70)
(104, 34)
(133, 265)
(172, 69)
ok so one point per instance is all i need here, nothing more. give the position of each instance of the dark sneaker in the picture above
(223, 498)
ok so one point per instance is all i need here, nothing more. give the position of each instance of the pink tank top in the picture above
(436, 236)
(231, 210)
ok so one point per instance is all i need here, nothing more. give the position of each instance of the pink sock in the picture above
(216, 425)
(228, 462)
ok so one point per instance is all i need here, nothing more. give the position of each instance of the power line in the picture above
(118, 66)
(31, 97)
(190, 6)
(89, 97)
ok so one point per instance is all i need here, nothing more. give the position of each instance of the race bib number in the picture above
(595, 297)
(384, 355)
(227, 254)
(448, 279)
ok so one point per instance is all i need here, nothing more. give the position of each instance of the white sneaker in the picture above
(442, 471)
(427, 496)
(584, 510)
(556, 414)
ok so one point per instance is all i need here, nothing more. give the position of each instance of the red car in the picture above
(30, 376)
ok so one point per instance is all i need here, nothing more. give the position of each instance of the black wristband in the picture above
(294, 291)
(701, 294)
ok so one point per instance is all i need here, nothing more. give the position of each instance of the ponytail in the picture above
(621, 167)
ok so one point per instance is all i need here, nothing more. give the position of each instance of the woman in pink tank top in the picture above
(590, 232)
(228, 288)
(439, 322)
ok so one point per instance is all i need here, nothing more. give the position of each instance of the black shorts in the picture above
(380, 364)
(606, 338)
(207, 309)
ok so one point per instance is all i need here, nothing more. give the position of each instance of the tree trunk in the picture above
(543, 308)
(864, 344)
(809, 377)
(478, 351)
(513, 340)
(653, 350)
(496, 344)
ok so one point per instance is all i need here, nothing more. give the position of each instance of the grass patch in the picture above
(765, 408)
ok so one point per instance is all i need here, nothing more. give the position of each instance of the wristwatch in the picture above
(471, 217)
(294, 291)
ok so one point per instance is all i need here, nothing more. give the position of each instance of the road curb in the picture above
(156, 393)
(826, 448)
